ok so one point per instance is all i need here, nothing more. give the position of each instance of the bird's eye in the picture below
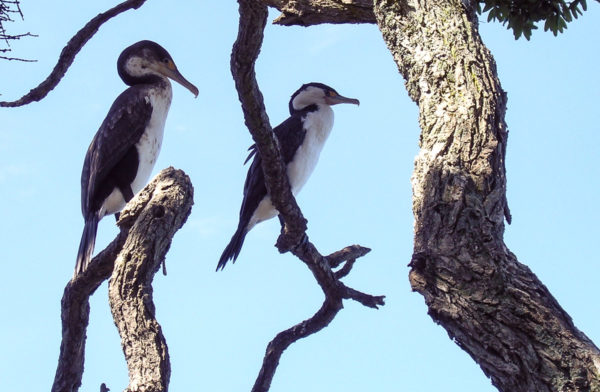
(166, 60)
(331, 93)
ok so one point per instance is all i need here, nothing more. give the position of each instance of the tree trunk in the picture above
(491, 305)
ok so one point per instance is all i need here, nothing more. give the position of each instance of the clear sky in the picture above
(217, 325)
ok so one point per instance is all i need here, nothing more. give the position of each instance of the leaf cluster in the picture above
(522, 16)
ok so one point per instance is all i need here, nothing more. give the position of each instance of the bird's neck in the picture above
(131, 80)
(319, 123)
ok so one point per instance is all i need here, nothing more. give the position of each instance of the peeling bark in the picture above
(307, 12)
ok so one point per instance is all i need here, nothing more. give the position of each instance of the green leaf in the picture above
(567, 16)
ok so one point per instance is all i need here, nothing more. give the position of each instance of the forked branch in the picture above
(148, 224)
(253, 17)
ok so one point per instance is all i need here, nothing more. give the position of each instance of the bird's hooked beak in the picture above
(170, 70)
(333, 99)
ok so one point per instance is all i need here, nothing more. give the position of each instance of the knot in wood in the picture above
(158, 211)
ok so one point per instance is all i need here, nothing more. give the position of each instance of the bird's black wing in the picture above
(121, 129)
(290, 135)
(254, 190)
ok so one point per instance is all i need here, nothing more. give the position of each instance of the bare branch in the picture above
(17, 59)
(244, 54)
(70, 51)
(160, 211)
(253, 16)
(284, 339)
(313, 12)
(75, 311)
(335, 292)
(154, 215)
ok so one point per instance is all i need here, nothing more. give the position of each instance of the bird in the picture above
(301, 138)
(123, 152)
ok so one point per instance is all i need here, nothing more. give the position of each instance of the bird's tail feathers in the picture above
(86, 246)
(232, 250)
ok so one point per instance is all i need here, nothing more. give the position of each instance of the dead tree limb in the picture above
(75, 312)
(253, 17)
(308, 13)
(161, 210)
(70, 51)
(148, 224)
(335, 291)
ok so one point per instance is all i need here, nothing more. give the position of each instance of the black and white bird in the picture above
(122, 154)
(301, 138)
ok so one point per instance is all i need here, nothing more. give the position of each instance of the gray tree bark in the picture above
(148, 224)
(160, 210)
(492, 306)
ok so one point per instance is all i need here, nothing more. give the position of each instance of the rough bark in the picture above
(491, 305)
(147, 225)
(253, 16)
(75, 312)
(161, 210)
(307, 12)
(494, 307)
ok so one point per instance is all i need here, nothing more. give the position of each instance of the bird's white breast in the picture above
(148, 148)
(318, 125)
(149, 144)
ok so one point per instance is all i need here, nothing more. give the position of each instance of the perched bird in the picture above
(301, 138)
(122, 154)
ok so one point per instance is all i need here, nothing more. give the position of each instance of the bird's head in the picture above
(145, 60)
(315, 94)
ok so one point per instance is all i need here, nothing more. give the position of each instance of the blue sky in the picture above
(217, 325)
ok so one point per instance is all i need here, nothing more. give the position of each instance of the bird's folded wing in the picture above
(121, 129)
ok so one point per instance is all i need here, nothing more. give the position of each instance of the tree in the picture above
(493, 307)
